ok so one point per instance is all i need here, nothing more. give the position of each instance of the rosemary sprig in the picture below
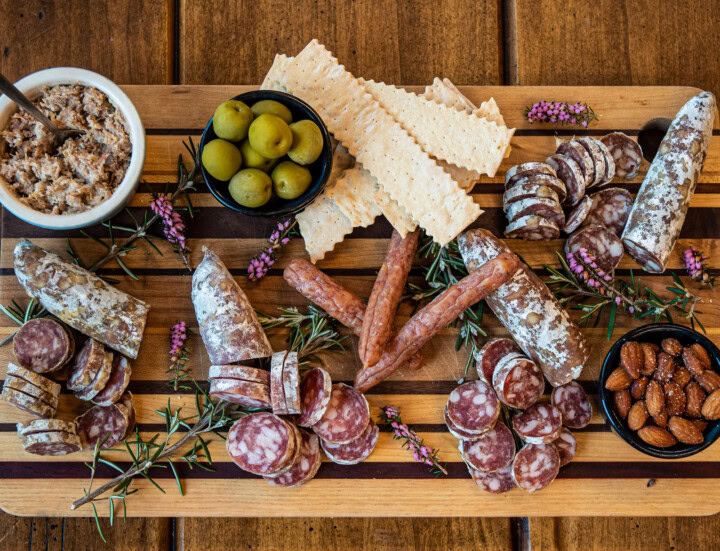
(22, 315)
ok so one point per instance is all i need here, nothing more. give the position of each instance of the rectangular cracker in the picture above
(322, 226)
(395, 214)
(275, 76)
(353, 195)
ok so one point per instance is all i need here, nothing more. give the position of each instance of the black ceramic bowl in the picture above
(320, 169)
(655, 333)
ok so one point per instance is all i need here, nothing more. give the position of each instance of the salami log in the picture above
(42, 345)
(569, 173)
(87, 365)
(611, 208)
(566, 446)
(385, 296)
(473, 407)
(262, 444)
(578, 215)
(105, 424)
(519, 192)
(456, 431)
(532, 228)
(493, 451)
(573, 404)
(229, 326)
(539, 424)
(31, 377)
(497, 482)
(529, 311)
(598, 160)
(598, 241)
(547, 208)
(549, 180)
(535, 466)
(443, 310)
(52, 443)
(116, 384)
(625, 152)
(520, 171)
(490, 355)
(305, 466)
(315, 391)
(356, 451)
(240, 372)
(101, 379)
(245, 393)
(81, 299)
(518, 381)
(27, 403)
(574, 150)
(661, 204)
(346, 416)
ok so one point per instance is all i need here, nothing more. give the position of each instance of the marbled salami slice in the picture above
(609, 163)
(31, 377)
(38, 426)
(539, 424)
(102, 423)
(549, 180)
(31, 390)
(493, 451)
(600, 242)
(42, 345)
(346, 416)
(291, 381)
(490, 355)
(579, 154)
(611, 208)
(497, 482)
(568, 171)
(535, 466)
(547, 208)
(532, 228)
(566, 446)
(473, 407)
(116, 384)
(127, 401)
(315, 391)
(245, 393)
(520, 171)
(27, 403)
(598, 160)
(100, 380)
(87, 365)
(241, 372)
(517, 381)
(578, 215)
(356, 451)
(573, 404)
(261, 443)
(305, 466)
(520, 192)
(52, 443)
(626, 154)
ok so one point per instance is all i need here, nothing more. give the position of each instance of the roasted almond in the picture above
(622, 402)
(699, 424)
(618, 380)
(709, 380)
(682, 376)
(655, 436)
(650, 352)
(701, 354)
(692, 362)
(661, 419)
(654, 398)
(695, 397)
(665, 368)
(637, 416)
(632, 358)
(684, 431)
(711, 407)
(671, 346)
(675, 400)
(637, 389)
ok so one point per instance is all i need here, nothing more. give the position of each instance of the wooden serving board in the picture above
(608, 477)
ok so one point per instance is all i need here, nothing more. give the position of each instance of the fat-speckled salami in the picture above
(31, 390)
(569, 173)
(547, 208)
(573, 404)
(127, 401)
(625, 152)
(578, 215)
(517, 381)
(241, 372)
(566, 446)
(346, 416)
(549, 180)
(38, 426)
(609, 163)
(456, 431)
(497, 482)
(532, 228)
(661, 204)
(245, 393)
(229, 326)
(538, 424)
(493, 451)
(31, 377)
(262, 444)
(27, 403)
(574, 150)
(490, 355)
(611, 208)
(315, 391)
(42, 345)
(81, 299)
(102, 423)
(535, 466)
(305, 466)
(291, 382)
(356, 451)
(600, 242)
(98, 384)
(52, 443)
(520, 192)
(87, 365)
(520, 171)
(473, 407)
(598, 160)
(116, 384)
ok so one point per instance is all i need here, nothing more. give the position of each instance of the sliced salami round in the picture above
(100, 380)
(526, 169)
(569, 173)
(245, 393)
(127, 401)
(547, 208)
(573, 404)
(356, 451)
(497, 482)
(277, 388)
(262, 443)
(52, 443)
(490, 355)
(609, 163)
(241, 372)
(518, 381)
(31, 390)
(579, 154)
(493, 451)
(315, 391)
(42, 345)
(117, 383)
(31, 377)
(626, 153)
(106, 424)
(566, 446)
(539, 424)
(305, 466)
(535, 466)
(38, 426)
(346, 417)
(610, 207)
(532, 228)
(457, 432)
(520, 192)
(549, 180)
(28, 404)
(473, 407)
(598, 241)
(88, 363)
(291, 382)
(578, 215)
(598, 160)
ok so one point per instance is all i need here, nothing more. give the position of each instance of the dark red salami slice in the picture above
(578, 215)
(569, 173)
(609, 163)
(610, 207)
(315, 391)
(549, 180)
(625, 152)
(598, 160)
(346, 416)
(117, 383)
(457, 432)
(579, 154)
(490, 355)
(262, 444)
(42, 345)
(245, 393)
(51, 443)
(566, 446)
(518, 381)
(98, 384)
(535, 466)
(88, 363)
(493, 451)
(573, 404)
(532, 228)
(305, 466)
(547, 208)
(527, 191)
(526, 169)
(101, 422)
(356, 451)
(539, 424)
(600, 242)
(473, 407)
(497, 482)
(241, 372)
(127, 401)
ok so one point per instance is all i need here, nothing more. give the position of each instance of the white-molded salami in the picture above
(473, 407)
(520, 171)
(100, 380)
(245, 393)
(31, 377)
(568, 171)
(573, 404)
(38, 426)
(356, 451)
(346, 416)
(27, 403)
(600, 242)
(532, 228)
(517, 381)
(291, 381)
(52, 443)
(520, 192)
(117, 383)
(315, 391)
(611, 208)
(609, 163)
(106, 424)
(42, 345)
(241, 372)
(574, 150)
(261, 443)
(578, 215)
(625, 152)
(535, 466)
(547, 208)
(538, 424)
(490, 355)
(497, 482)
(549, 180)
(566, 446)
(598, 160)
(20, 385)
(493, 451)
(304, 467)
(87, 365)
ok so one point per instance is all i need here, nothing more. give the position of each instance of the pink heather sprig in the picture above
(695, 261)
(586, 270)
(421, 452)
(173, 225)
(262, 262)
(560, 112)
(179, 355)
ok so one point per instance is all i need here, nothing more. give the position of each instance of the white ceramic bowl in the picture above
(31, 86)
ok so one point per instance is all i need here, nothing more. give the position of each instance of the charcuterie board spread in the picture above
(325, 429)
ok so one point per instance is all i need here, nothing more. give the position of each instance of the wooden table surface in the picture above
(482, 42)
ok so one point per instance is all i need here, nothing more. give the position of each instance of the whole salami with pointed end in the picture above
(546, 208)
(305, 466)
(549, 180)
(661, 204)
(530, 312)
(497, 482)
(535, 466)
(229, 326)
(116, 384)
(42, 345)
(246, 393)
(519, 383)
(262, 444)
(566, 446)
(539, 424)
(315, 392)
(578, 215)
(356, 451)
(520, 192)
(87, 365)
(610, 208)
(526, 169)
(473, 407)
(625, 152)
(81, 299)
(532, 228)
(107, 424)
(599, 241)
(240, 372)
(346, 416)
(568, 171)
(491, 353)
(575, 150)
(573, 404)
(493, 451)
(52, 444)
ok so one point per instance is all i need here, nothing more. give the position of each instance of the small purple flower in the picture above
(178, 337)
(560, 112)
(262, 262)
(173, 226)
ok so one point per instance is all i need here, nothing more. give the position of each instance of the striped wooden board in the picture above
(608, 477)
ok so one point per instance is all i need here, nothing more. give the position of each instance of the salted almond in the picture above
(682, 377)
(701, 354)
(637, 416)
(665, 368)
(695, 398)
(684, 431)
(711, 407)
(632, 358)
(657, 437)
(675, 400)
(699, 424)
(672, 347)
(622, 402)
(661, 419)
(655, 398)
(692, 362)
(709, 380)
(650, 352)
(637, 389)
(618, 380)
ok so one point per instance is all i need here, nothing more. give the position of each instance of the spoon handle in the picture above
(8, 88)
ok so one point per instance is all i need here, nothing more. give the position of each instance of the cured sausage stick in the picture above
(323, 291)
(385, 297)
(443, 310)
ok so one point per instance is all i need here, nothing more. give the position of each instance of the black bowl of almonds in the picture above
(660, 390)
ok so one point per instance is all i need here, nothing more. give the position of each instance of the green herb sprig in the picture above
(21, 315)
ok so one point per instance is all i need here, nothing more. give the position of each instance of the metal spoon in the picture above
(9, 89)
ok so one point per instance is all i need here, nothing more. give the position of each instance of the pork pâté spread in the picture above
(85, 170)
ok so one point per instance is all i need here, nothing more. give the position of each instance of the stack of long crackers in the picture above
(412, 158)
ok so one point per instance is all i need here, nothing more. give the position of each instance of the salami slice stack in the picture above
(49, 437)
(30, 392)
(98, 374)
(285, 383)
(247, 386)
